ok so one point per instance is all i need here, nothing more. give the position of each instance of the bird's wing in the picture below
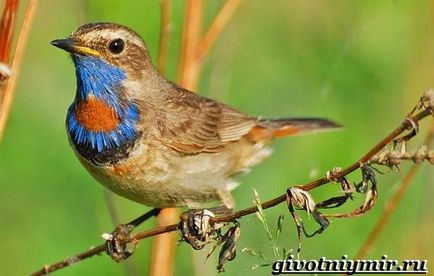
(192, 124)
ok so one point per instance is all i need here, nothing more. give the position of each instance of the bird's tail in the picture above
(276, 128)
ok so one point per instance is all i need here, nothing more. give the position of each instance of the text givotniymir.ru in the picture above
(349, 267)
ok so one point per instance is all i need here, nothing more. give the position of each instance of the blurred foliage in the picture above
(361, 63)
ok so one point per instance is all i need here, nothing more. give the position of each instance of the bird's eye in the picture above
(116, 46)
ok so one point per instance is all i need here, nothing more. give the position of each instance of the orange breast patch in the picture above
(96, 115)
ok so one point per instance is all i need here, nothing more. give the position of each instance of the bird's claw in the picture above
(119, 244)
(196, 229)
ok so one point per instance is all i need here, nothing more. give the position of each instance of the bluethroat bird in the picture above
(148, 139)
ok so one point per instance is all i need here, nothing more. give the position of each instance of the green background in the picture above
(361, 63)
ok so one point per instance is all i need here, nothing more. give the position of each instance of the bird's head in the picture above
(108, 59)
(114, 44)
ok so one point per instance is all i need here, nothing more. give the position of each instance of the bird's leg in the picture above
(118, 240)
(195, 227)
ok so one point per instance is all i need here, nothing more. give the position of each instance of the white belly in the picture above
(162, 177)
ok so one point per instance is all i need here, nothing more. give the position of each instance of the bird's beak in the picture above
(72, 46)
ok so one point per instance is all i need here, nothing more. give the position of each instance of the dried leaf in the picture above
(228, 251)
(302, 199)
(368, 176)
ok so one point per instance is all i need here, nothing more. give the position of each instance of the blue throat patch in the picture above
(102, 80)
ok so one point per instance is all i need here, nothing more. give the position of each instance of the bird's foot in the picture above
(196, 228)
(119, 243)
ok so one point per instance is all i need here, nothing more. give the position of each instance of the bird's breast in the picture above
(101, 132)
(96, 115)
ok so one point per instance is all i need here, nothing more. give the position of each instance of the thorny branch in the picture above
(298, 196)
(399, 193)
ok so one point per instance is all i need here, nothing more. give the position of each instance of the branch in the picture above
(7, 24)
(194, 48)
(100, 249)
(16, 64)
(216, 28)
(427, 103)
(164, 35)
(189, 73)
(327, 179)
(188, 66)
(163, 246)
(393, 203)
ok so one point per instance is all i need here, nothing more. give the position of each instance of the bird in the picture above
(152, 141)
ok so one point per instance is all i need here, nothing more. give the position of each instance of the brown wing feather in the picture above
(194, 124)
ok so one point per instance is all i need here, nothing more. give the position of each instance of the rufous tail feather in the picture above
(275, 128)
